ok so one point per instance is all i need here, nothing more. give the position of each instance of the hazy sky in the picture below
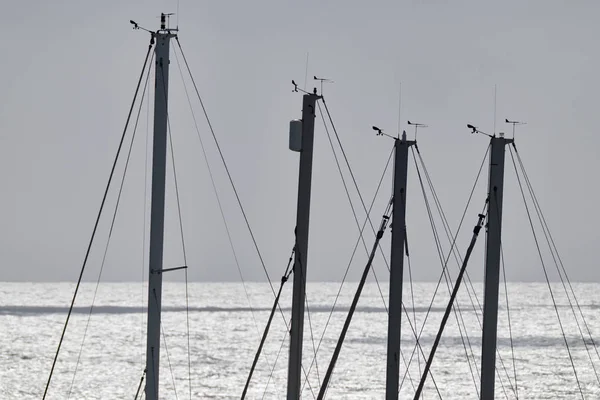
(70, 69)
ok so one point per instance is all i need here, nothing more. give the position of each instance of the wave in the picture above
(18, 310)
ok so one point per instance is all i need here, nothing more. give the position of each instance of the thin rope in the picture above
(275, 364)
(185, 263)
(403, 201)
(112, 225)
(449, 306)
(448, 231)
(410, 279)
(352, 204)
(145, 217)
(62, 336)
(512, 348)
(448, 257)
(218, 198)
(454, 251)
(554, 257)
(457, 311)
(338, 348)
(284, 279)
(352, 256)
(166, 352)
(353, 179)
(514, 388)
(555, 249)
(312, 339)
(137, 393)
(417, 345)
(187, 303)
(546, 275)
(303, 280)
(227, 170)
(458, 258)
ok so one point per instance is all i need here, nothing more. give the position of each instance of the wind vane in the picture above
(322, 80)
(514, 123)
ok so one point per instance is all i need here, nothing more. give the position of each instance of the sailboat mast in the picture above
(397, 267)
(492, 266)
(301, 247)
(157, 213)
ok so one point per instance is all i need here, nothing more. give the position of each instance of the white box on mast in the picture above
(296, 135)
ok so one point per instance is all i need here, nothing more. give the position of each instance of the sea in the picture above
(211, 332)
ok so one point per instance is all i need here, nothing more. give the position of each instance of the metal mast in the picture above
(157, 213)
(301, 258)
(397, 267)
(492, 266)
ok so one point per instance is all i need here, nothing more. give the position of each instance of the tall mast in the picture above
(397, 267)
(301, 247)
(157, 213)
(492, 266)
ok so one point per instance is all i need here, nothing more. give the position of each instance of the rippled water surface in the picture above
(224, 329)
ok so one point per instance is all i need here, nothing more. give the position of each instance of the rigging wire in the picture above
(312, 339)
(137, 393)
(187, 303)
(361, 237)
(218, 198)
(554, 253)
(112, 225)
(512, 347)
(481, 218)
(227, 171)
(352, 176)
(352, 257)
(275, 364)
(284, 279)
(545, 224)
(556, 259)
(458, 258)
(166, 352)
(350, 200)
(457, 311)
(384, 222)
(184, 254)
(448, 256)
(448, 231)
(145, 216)
(303, 280)
(62, 336)
(514, 388)
(360, 197)
(410, 279)
(187, 313)
(546, 276)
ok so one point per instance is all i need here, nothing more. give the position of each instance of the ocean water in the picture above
(225, 324)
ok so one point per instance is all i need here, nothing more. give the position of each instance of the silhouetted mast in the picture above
(397, 267)
(301, 140)
(492, 265)
(157, 212)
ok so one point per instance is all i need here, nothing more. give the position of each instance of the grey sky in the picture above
(70, 69)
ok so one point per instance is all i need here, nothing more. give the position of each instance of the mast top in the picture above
(164, 25)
